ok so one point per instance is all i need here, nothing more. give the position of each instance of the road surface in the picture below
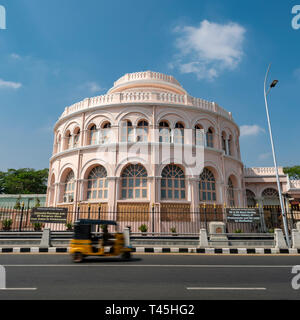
(157, 276)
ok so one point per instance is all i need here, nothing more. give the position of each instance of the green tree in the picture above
(2, 175)
(24, 181)
(37, 203)
(293, 172)
(18, 203)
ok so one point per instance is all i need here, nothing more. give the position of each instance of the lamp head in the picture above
(273, 84)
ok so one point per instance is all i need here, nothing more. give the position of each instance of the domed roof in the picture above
(147, 81)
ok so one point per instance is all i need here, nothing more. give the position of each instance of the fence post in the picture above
(78, 211)
(153, 208)
(21, 219)
(292, 216)
(225, 216)
(215, 211)
(280, 242)
(205, 221)
(203, 240)
(89, 210)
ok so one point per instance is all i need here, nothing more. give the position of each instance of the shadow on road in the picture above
(109, 259)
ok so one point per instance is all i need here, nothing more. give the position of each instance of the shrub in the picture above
(37, 226)
(69, 226)
(7, 224)
(143, 228)
(173, 230)
(238, 231)
(271, 230)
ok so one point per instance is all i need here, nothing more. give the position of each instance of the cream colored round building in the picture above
(144, 109)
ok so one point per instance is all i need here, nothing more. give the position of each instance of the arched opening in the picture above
(270, 197)
(178, 135)
(93, 133)
(210, 138)
(76, 138)
(164, 132)
(97, 184)
(52, 190)
(127, 132)
(207, 186)
(251, 202)
(105, 132)
(69, 188)
(173, 183)
(142, 131)
(134, 182)
(230, 146)
(224, 148)
(230, 193)
(68, 140)
(198, 135)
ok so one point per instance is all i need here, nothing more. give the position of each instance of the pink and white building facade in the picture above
(152, 111)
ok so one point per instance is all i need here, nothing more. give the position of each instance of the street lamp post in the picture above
(273, 84)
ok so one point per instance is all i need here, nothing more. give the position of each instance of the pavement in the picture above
(149, 276)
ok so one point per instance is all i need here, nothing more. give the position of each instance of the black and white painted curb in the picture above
(163, 250)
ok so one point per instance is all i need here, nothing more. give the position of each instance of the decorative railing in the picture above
(146, 97)
(262, 171)
(146, 75)
(294, 184)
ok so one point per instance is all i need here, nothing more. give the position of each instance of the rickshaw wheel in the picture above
(77, 257)
(126, 255)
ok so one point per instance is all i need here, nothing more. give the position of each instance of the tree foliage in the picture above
(24, 181)
(293, 172)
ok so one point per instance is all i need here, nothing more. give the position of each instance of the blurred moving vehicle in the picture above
(86, 243)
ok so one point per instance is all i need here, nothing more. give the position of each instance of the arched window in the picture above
(69, 188)
(230, 145)
(68, 140)
(210, 138)
(251, 202)
(270, 197)
(142, 131)
(127, 131)
(207, 186)
(270, 193)
(172, 183)
(134, 182)
(224, 142)
(105, 131)
(199, 135)
(76, 138)
(93, 135)
(97, 184)
(178, 136)
(52, 190)
(164, 132)
(230, 193)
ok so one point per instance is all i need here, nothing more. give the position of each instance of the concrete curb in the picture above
(240, 251)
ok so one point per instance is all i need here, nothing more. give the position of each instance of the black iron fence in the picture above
(153, 222)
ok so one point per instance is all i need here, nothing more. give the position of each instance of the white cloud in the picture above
(251, 130)
(264, 156)
(15, 56)
(297, 73)
(94, 87)
(209, 49)
(9, 84)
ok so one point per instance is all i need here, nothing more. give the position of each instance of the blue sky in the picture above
(57, 52)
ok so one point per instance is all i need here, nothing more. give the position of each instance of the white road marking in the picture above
(223, 288)
(147, 265)
(15, 289)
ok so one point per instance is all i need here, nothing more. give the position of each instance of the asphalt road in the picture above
(186, 277)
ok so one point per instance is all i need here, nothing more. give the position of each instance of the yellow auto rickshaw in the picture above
(85, 241)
